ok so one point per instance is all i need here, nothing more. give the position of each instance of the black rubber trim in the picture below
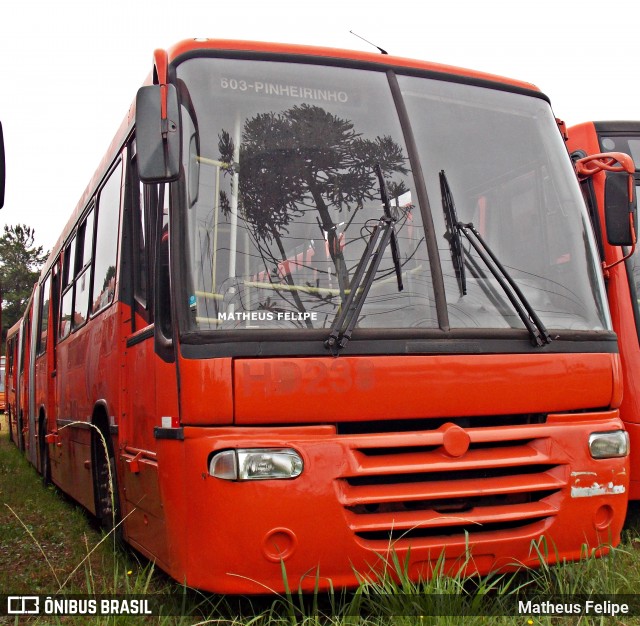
(622, 127)
(169, 433)
(265, 344)
(311, 59)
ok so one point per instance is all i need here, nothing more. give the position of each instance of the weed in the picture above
(52, 558)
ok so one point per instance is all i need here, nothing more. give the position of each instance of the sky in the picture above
(69, 70)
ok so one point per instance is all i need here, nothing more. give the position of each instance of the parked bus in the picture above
(18, 341)
(623, 280)
(11, 381)
(322, 306)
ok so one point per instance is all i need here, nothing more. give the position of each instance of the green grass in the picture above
(28, 510)
(49, 545)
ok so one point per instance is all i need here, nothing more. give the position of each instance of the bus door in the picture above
(30, 384)
(136, 429)
(10, 382)
(22, 376)
(40, 378)
(141, 503)
(52, 347)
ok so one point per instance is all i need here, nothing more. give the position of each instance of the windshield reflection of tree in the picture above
(308, 163)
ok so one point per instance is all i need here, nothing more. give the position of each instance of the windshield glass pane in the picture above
(509, 175)
(622, 143)
(282, 196)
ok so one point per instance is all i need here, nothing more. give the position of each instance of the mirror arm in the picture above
(607, 162)
(160, 71)
(160, 66)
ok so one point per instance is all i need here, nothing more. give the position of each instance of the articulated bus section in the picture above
(623, 278)
(303, 332)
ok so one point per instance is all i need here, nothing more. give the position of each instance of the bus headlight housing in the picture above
(256, 464)
(609, 445)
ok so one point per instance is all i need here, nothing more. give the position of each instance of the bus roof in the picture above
(191, 46)
(617, 126)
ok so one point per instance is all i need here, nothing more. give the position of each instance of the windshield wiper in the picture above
(452, 235)
(537, 330)
(383, 234)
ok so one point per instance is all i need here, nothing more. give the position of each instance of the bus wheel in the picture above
(106, 483)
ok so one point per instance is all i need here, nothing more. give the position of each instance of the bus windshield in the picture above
(281, 197)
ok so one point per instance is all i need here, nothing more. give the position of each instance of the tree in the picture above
(20, 263)
(307, 159)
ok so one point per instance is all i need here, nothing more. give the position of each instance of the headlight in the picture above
(609, 445)
(256, 464)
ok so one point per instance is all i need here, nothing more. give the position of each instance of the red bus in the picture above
(324, 305)
(11, 353)
(623, 280)
(16, 382)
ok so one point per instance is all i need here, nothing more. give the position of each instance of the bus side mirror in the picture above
(158, 133)
(620, 212)
(619, 196)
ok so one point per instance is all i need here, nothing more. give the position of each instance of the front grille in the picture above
(453, 530)
(406, 486)
(410, 425)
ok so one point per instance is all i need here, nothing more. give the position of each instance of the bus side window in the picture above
(84, 254)
(43, 317)
(163, 298)
(141, 244)
(106, 248)
(66, 303)
(55, 301)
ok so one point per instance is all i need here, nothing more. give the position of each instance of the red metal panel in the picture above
(567, 497)
(361, 388)
(206, 391)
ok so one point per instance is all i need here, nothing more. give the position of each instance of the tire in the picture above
(107, 501)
